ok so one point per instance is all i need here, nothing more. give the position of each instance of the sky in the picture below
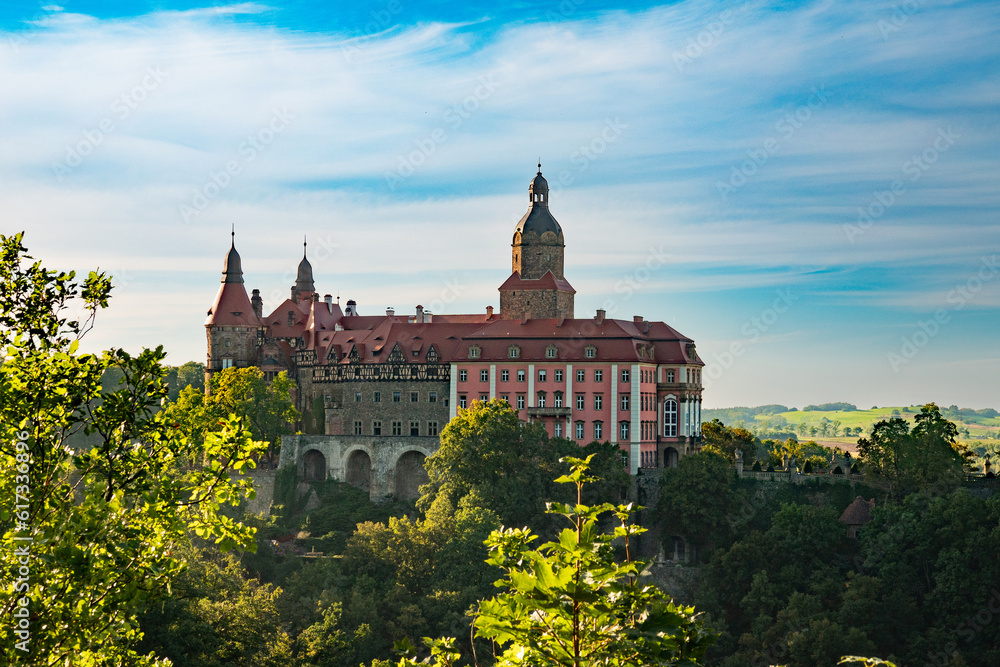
(809, 190)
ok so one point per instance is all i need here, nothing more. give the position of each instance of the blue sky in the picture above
(809, 190)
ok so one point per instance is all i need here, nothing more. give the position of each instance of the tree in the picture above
(266, 408)
(725, 440)
(570, 604)
(696, 498)
(509, 464)
(105, 524)
(929, 456)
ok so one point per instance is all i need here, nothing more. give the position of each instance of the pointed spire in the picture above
(232, 269)
(304, 276)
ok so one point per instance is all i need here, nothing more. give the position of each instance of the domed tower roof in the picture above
(538, 219)
(304, 277)
(232, 269)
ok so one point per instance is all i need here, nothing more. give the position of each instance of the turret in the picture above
(233, 321)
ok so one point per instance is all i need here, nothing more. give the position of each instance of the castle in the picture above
(374, 391)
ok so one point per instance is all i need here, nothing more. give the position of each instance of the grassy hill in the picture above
(826, 423)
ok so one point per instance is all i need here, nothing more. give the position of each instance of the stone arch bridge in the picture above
(382, 466)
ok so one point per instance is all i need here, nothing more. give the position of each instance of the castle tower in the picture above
(304, 287)
(537, 287)
(233, 322)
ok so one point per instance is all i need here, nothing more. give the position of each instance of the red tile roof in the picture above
(232, 308)
(548, 281)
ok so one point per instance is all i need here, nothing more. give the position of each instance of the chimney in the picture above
(257, 303)
(599, 319)
(352, 307)
(329, 302)
(389, 312)
(489, 312)
(420, 315)
(637, 319)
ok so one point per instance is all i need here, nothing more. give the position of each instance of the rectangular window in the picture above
(376, 428)
(484, 375)
(670, 418)
(395, 397)
(463, 376)
(581, 376)
(414, 396)
(541, 375)
(414, 428)
(520, 376)
(557, 430)
(541, 399)
(598, 401)
(357, 428)
(670, 376)
(590, 352)
(625, 375)
(598, 430)
(559, 376)
(579, 430)
(377, 397)
(432, 397)
(505, 398)
(598, 376)
(462, 402)
(520, 401)
(505, 375)
(357, 397)
(397, 428)
(432, 428)
(579, 402)
(624, 431)
(624, 401)
(227, 363)
(483, 398)
(558, 399)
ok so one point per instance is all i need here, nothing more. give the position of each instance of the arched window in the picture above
(670, 418)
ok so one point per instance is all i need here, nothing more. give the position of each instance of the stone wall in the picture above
(385, 466)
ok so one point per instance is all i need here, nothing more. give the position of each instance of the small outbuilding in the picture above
(856, 515)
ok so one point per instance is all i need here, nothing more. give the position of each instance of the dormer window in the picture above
(590, 352)
(550, 352)
(513, 352)
(475, 351)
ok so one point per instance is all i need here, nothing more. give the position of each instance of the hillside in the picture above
(840, 424)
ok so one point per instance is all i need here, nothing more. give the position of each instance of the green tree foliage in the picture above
(726, 440)
(105, 523)
(570, 603)
(509, 464)
(927, 457)
(190, 374)
(696, 498)
(216, 616)
(266, 408)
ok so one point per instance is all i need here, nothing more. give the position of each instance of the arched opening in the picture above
(359, 470)
(410, 474)
(670, 457)
(314, 465)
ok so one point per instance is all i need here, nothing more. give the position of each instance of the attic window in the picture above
(237, 313)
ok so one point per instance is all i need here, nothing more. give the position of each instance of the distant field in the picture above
(766, 421)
